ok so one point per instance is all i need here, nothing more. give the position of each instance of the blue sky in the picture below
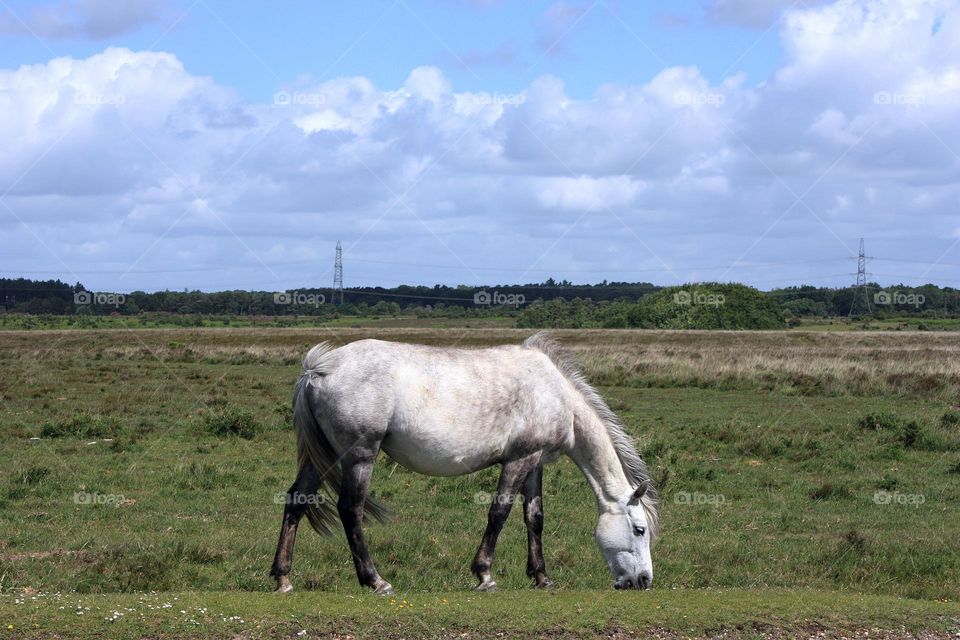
(491, 46)
(164, 144)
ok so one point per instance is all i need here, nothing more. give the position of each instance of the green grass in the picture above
(774, 524)
(27, 322)
(20, 321)
(893, 323)
(737, 613)
(139, 482)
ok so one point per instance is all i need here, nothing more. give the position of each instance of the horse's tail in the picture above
(314, 447)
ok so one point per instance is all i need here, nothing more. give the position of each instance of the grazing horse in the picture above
(448, 412)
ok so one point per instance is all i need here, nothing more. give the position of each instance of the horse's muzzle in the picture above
(641, 582)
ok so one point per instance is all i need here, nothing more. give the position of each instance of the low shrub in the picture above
(230, 421)
(829, 490)
(911, 435)
(81, 425)
(950, 420)
(879, 421)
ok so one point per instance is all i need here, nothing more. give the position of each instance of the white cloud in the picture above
(126, 157)
(586, 194)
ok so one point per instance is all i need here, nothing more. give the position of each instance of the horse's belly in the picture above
(433, 457)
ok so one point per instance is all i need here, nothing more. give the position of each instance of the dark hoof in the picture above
(384, 588)
(544, 583)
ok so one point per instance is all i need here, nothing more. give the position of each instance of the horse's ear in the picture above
(637, 494)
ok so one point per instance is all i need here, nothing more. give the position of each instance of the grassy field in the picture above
(810, 482)
(19, 321)
(729, 613)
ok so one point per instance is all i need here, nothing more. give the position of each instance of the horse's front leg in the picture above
(511, 478)
(533, 518)
(298, 499)
(353, 493)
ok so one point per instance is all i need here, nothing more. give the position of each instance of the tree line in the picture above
(547, 304)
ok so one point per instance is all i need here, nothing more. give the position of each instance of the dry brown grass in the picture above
(924, 364)
(813, 363)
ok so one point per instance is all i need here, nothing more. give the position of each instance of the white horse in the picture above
(448, 412)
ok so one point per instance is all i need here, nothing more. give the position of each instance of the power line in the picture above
(478, 268)
(565, 270)
(431, 266)
(935, 263)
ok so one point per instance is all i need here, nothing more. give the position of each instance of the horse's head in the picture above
(624, 536)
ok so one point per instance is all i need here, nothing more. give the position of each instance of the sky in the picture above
(206, 144)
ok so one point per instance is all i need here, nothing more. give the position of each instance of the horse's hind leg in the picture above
(353, 493)
(298, 498)
(511, 478)
(533, 518)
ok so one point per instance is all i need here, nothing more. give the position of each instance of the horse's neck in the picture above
(596, 456)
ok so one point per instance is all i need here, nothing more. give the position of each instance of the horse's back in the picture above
(445, 411)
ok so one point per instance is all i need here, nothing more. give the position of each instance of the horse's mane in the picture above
(633, 465)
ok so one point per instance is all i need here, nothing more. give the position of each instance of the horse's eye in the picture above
(639, 531)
